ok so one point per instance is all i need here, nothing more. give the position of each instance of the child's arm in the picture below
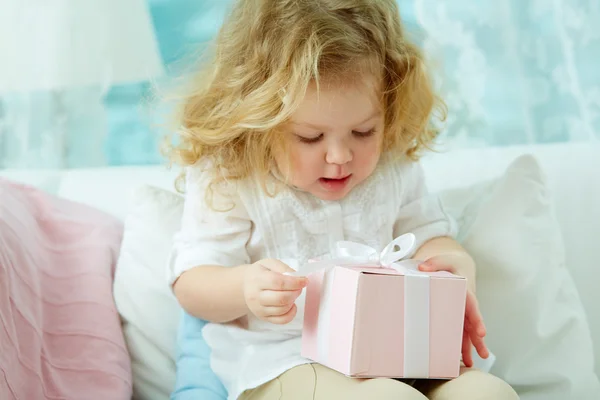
(207, 249)
(212, 292)
(210, 270)
(224, 294)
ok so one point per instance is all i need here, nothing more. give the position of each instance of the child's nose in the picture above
(338, 154)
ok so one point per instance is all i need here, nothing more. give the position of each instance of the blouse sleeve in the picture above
(214, 235)
(420, 212)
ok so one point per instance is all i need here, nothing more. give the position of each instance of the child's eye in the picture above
(310, 139)
(364, 134)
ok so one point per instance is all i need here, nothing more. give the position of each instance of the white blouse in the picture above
(293, 226)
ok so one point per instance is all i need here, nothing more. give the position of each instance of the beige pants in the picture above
(315, 382)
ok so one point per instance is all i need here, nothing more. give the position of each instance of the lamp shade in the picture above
(60, 44)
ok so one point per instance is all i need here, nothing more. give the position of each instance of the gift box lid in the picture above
(402, 268)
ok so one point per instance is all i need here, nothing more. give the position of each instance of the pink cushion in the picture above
(60, 334)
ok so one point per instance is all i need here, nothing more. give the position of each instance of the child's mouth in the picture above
(335, 184)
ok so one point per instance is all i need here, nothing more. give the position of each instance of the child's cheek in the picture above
(304, 162)
(368, 154)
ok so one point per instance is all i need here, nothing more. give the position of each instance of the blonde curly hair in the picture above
(265, 56)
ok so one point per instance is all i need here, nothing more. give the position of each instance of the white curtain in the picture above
(514, 71)
(59, 59)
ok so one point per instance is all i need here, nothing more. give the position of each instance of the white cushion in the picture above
(536, 322)
(537, 327)
(149, 310)
(573, 180)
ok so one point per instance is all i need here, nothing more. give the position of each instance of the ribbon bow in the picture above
(348, 253)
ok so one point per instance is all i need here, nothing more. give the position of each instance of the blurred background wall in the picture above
(76, 75)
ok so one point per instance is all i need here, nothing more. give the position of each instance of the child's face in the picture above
(335, 139)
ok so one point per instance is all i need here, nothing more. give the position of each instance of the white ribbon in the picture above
(416, 295)
(348, 254)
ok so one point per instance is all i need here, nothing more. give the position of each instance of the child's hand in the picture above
(474, 329)
(269, 294)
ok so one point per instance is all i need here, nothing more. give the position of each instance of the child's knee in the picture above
(475, 385)
(388, 389)
(333, 385)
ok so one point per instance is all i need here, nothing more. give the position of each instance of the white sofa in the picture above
(573, 173)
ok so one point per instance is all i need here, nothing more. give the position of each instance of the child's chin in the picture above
(330, 196)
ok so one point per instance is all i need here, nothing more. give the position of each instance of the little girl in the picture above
(306, 130)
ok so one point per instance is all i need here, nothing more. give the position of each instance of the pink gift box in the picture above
(385, 322)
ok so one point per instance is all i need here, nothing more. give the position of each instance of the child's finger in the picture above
(278, 298)
(444, 262)
(477, 327)
(437, 263)
(475, 324)
(276, 265)
(284, 318)
(479, 345)
(276, 281)
(466, 350)
(473, 315)
(275, 311)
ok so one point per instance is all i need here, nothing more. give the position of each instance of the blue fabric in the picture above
(195, 379)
